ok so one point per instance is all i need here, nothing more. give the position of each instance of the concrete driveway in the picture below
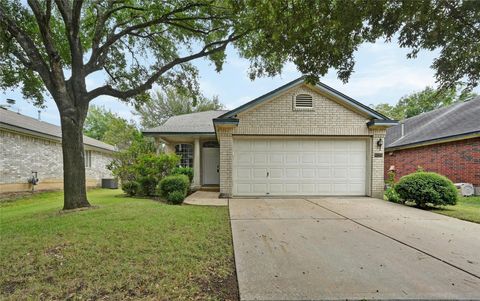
(351, 248)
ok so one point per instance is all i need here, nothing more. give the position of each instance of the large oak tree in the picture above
(49, 48)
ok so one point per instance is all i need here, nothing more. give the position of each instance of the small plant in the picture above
(188, 171)
(176, 197)
(392, 196)
(425, 188)
(173, 183)
(131, 188)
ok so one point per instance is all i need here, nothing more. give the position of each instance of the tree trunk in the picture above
(74, 186)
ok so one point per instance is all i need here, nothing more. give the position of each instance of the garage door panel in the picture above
(259, 173)
(324, 172)
(292, 188)
(308, 158)
(340, 158)
(292, 173)
(276, 173)
(260, 188)
(276, 189)
(243, 173)
(324, 158)
(260, 158)
(244, 158)
(275, 159)
(259, 145)
(299, 167)
(291, 158)
(308, 173)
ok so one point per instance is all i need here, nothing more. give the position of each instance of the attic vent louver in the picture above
(303, 101)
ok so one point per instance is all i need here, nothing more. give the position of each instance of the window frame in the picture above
(186, 155)
(88, 158)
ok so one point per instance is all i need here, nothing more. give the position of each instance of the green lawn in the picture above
(467, 209)
(123, 249)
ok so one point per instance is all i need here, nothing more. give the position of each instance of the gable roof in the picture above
(194, 123)
(453, 121)
(321, 86)
(18, 122)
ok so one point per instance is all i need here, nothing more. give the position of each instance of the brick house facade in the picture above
(445, 141)
(28, 145)
(299, 139)
(457, 160)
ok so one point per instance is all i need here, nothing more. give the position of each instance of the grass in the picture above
(467, 209)
(123, 249)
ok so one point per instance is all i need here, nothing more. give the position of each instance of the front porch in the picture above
(200, 152)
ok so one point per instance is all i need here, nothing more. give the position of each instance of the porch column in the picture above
(196, 163)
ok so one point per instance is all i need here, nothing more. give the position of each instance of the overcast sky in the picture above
(382, 74)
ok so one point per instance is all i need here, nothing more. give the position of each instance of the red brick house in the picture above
(446, 141)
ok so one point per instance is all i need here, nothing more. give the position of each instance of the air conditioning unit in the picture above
(465, 189)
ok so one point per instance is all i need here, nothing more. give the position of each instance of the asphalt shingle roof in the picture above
(33, 125)
(455, 120)
(201, 122)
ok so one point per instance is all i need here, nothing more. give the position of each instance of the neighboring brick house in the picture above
(299, 139)
(28, 145)
(446, 141)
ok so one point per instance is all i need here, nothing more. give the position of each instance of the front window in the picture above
(88, 158)
(185, 151)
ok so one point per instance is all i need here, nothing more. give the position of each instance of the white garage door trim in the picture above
(300, 166)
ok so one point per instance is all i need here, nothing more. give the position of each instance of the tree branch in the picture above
(38, 63)
(114, 37)
(205, 51)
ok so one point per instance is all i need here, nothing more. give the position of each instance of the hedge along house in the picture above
(29, 145)
(299, 139)
(446, 141)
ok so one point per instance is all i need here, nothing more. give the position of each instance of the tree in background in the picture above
(106, 126)
(50, 48)
(424, 101)
(172, 102)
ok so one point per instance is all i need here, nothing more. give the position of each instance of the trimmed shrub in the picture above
(176, 197)
(425, 188)
(131, 188)
(188, 171)
(148, 185)
(173, 183)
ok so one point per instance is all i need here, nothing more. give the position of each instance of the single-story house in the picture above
(299, 139)
(446, 141)
(28, 145)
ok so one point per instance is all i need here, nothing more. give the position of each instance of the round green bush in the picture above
(188, 171)
(176, 197)
(425, 188)
(173, 183)
(148, 185)
(131, 188)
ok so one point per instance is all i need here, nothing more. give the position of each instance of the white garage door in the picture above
(299, 167)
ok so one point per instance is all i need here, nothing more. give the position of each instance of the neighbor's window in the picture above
(185, 151)
(88, 158)
(303, 101)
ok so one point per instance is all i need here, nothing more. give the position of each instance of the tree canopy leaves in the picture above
(171, 102)
(106, 126)
(424, 101)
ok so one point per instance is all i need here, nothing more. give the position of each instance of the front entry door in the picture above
(211, 166)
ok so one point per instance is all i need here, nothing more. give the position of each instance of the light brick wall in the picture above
(278, 117)
(225, 140)
(21, 154)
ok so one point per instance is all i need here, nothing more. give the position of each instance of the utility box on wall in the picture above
(110, 183)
